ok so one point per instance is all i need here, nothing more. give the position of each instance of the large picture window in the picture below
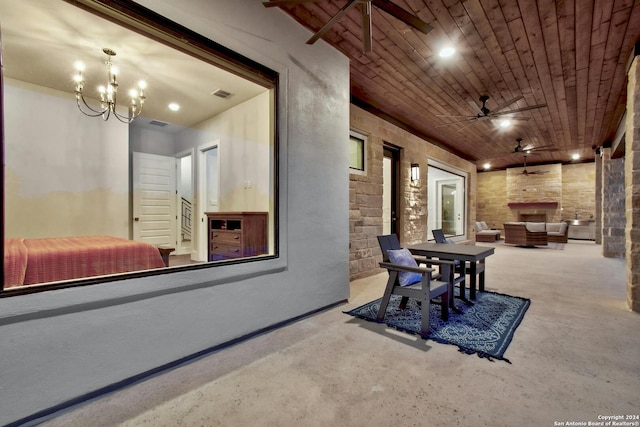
(188, 183)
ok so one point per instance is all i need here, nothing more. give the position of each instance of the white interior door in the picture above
(208, 184)
(154, 201)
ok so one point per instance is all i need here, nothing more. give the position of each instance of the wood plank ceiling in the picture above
(569, 54)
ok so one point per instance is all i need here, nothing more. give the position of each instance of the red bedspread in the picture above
(65, 258)
(15, 262)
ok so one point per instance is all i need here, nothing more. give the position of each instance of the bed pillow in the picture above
(404, 257)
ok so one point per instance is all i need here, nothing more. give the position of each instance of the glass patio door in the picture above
(446, 194)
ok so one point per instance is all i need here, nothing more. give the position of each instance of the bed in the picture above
(31, 261)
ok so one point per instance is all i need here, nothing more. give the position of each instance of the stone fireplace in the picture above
(532, 217)
(535, 197)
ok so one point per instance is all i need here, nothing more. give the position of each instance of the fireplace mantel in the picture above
(533, 205)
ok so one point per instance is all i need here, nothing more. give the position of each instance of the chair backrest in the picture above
(438, 234)
(388, 242)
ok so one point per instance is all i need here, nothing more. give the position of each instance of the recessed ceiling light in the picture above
(174, 107)
(575, 156)
(447, 52)
(487, 166)
(505, 123)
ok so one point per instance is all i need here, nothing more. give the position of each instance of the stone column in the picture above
(632, 186)
(598, 206)
(613, 206)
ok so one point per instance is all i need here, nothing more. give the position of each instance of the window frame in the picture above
(150, 24)
(361, 136)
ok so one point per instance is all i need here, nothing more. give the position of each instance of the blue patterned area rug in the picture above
(485, 329)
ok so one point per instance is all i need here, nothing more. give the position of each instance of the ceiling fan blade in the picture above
(506, 104)
(406, 17)
(285, 2)
(470, 123)
(449, 115)
(531, 147)
(491, 117)
(471, 119)
(321, 32)
(518, 110)
(366, 26)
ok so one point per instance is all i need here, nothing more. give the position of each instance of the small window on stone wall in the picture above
(357, 150)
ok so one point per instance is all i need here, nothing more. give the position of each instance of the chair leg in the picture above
(424, 329)
(403, 303)
(393, 276)
(444, 303)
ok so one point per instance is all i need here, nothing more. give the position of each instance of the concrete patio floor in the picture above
(575, 357)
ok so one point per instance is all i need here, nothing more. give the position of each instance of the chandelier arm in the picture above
(123, 119)
(96, 113)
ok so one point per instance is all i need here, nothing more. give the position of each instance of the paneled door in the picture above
(154, 200)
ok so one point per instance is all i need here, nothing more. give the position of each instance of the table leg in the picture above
(472, 285)
(484, 267)
(463, 275)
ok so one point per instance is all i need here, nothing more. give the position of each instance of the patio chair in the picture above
(459, 277)
(439, 237)
(409, 280)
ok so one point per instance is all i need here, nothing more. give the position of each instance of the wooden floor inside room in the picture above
(177, 260)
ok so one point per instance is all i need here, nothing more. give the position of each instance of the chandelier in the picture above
(108, 94)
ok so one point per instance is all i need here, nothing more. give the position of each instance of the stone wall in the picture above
(545, 186)
(613, 202)
(365, 191)
(632, 190)
(572, 186)
(492, 198)
(579, 191)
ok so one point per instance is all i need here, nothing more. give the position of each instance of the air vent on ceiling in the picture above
(221, 94)
(158, 123)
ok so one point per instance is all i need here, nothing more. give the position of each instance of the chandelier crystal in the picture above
(108, 94)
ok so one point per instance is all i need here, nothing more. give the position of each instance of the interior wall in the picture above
(151, 141)
(60, 345)
(244, 150)
(66, 174)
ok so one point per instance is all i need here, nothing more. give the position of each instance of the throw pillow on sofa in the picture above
(481, 226)
(536, 226)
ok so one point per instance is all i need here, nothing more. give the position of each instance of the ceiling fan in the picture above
(529, 149)
(487, 114)
(525, 172)
(365, 10)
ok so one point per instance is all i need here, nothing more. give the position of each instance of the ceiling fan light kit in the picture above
(365, 11)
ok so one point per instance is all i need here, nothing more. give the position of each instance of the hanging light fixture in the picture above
(108, 94)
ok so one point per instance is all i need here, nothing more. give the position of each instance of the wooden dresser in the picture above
(236, 234)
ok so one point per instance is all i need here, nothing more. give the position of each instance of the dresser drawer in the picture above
(224, 252)
(226, 237)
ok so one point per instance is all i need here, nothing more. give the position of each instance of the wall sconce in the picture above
(415, 171)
